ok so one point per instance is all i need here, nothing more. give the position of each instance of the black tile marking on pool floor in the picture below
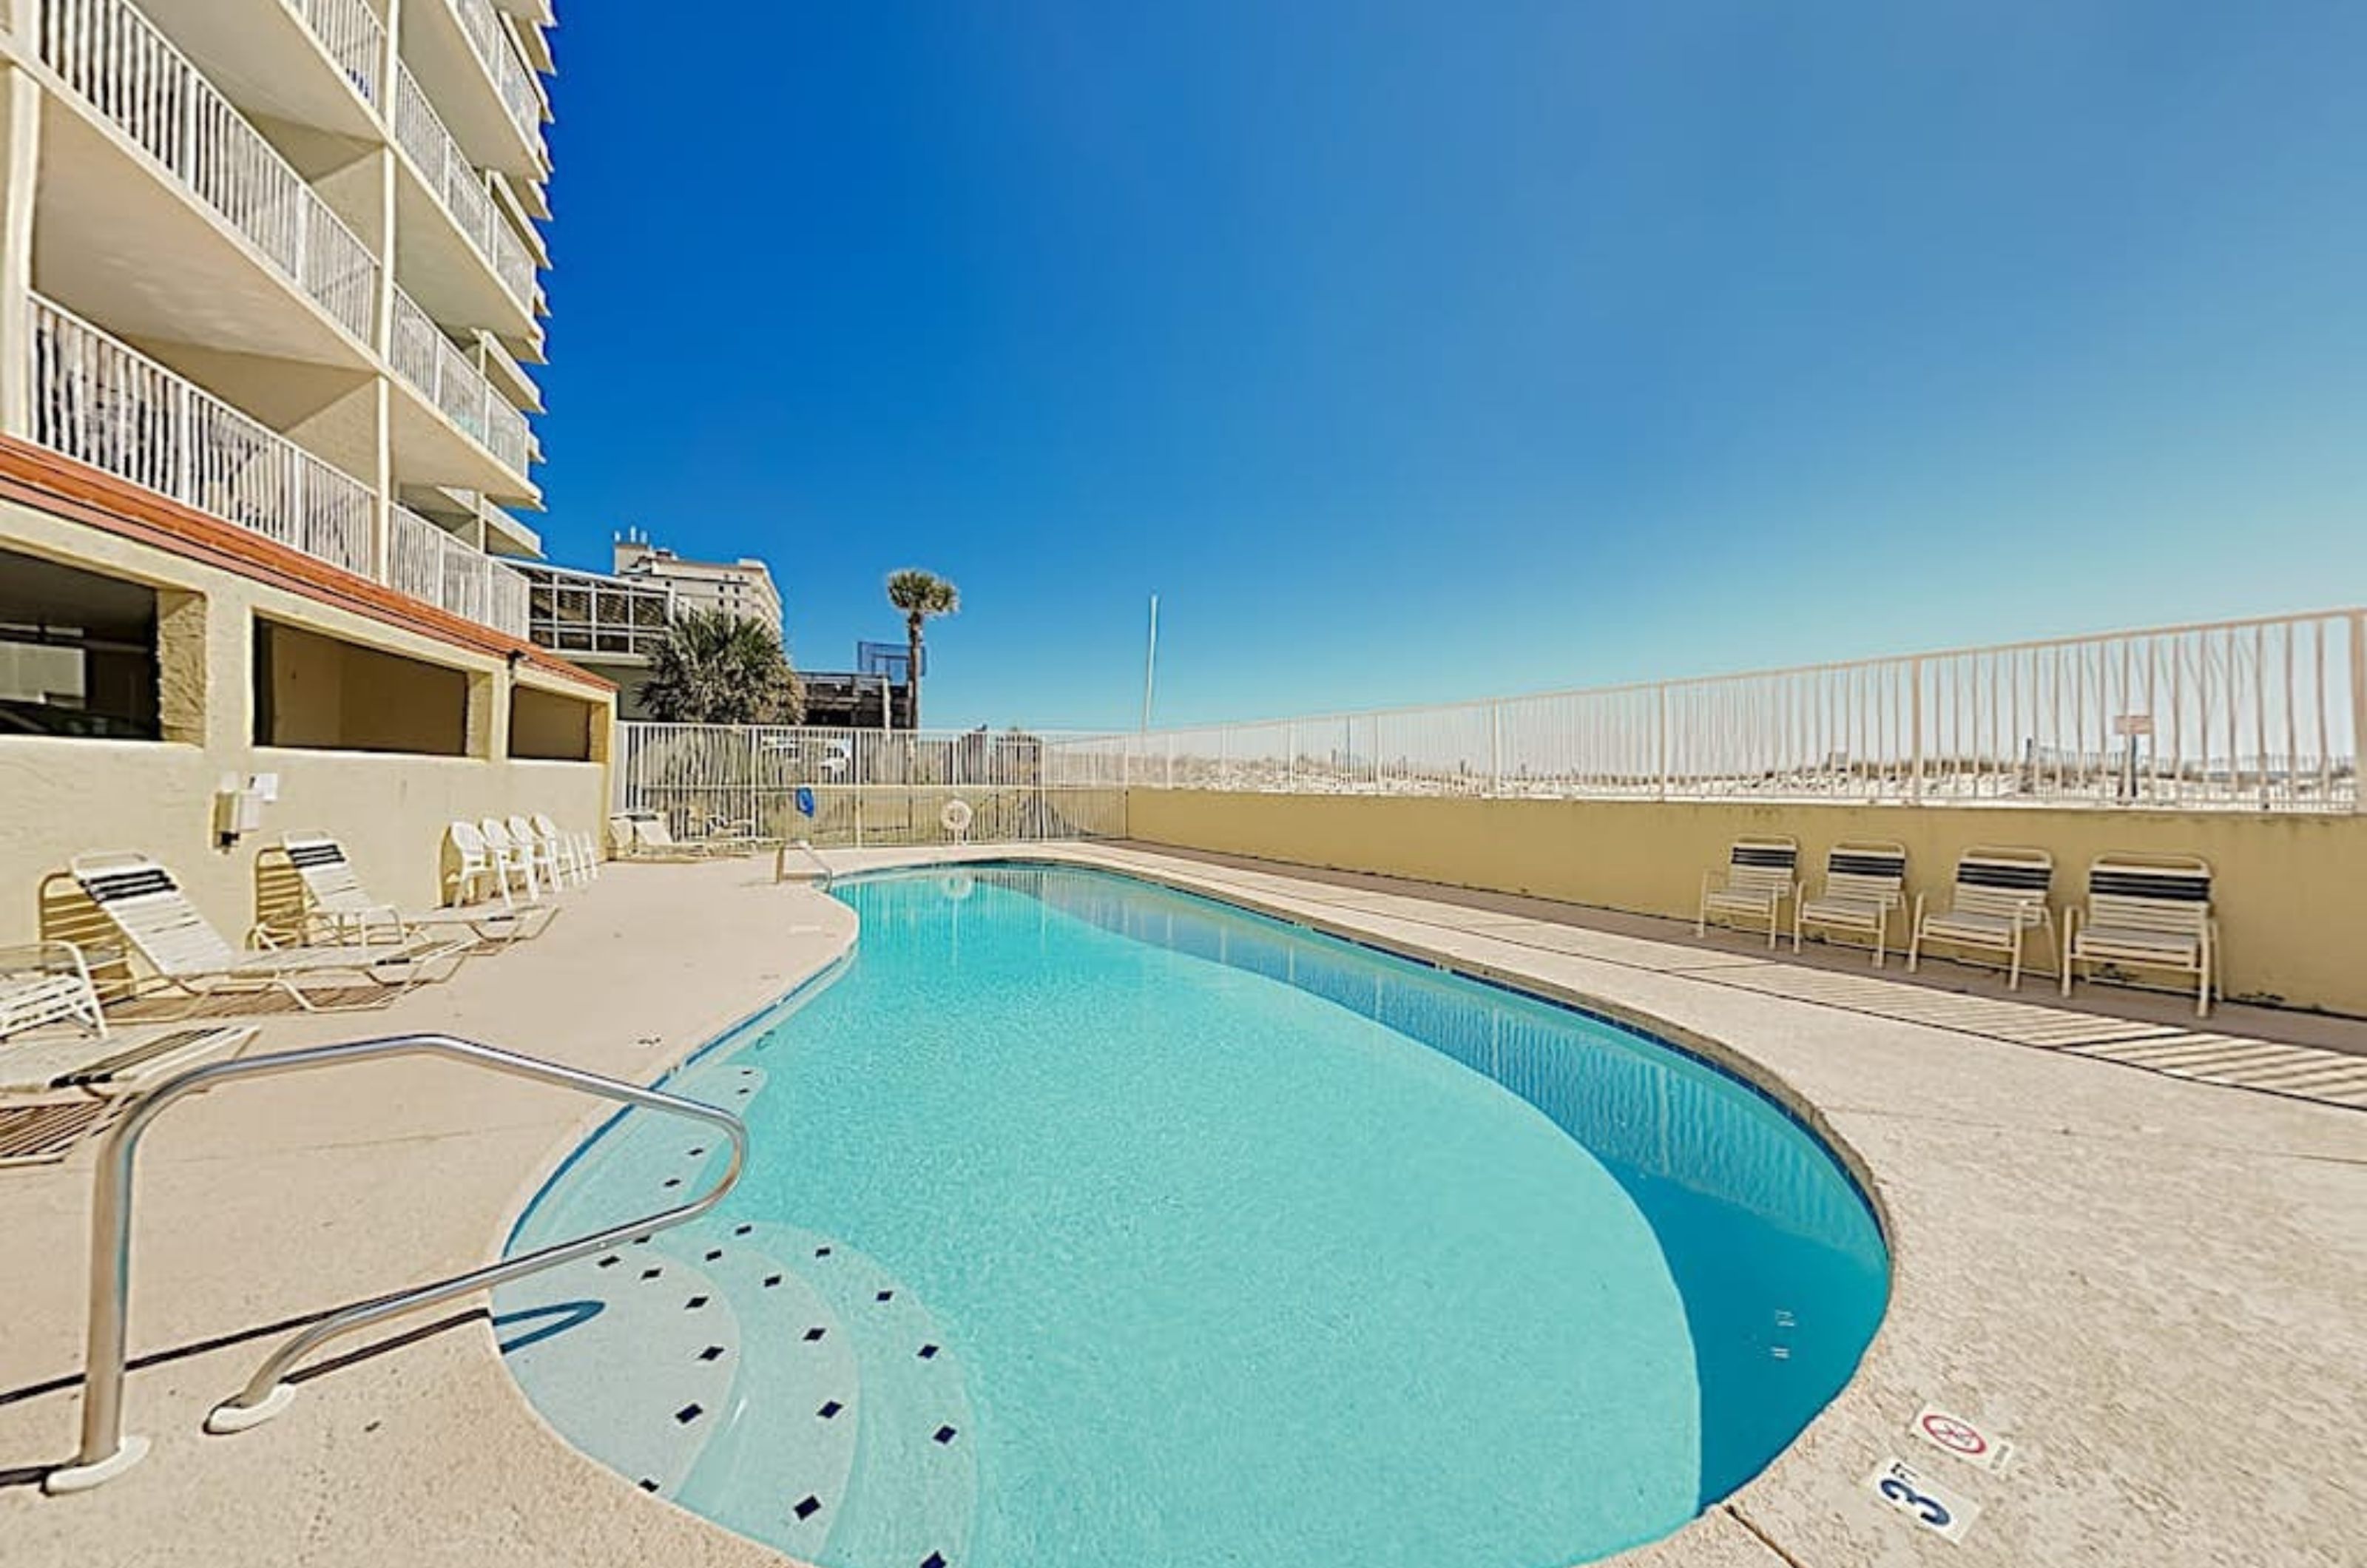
(885, 1297)
(807, 1507)
(741, 1230)
(812, 1335)
(652, 1273)
(710, 1353)
(771, 1280)
(694, 1303)
(821, 1252)
(608, 1262)
(688, 1414)
(944, 1434)
(714, 1253)
(830, 1409)
(647, 1485)
(928, 1352)
(934, 1560)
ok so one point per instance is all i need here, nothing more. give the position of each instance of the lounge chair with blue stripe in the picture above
(1865, 883)
(1758, 880)
(2146, 912)
(338, 908)
(184, 955)
(1999, 899)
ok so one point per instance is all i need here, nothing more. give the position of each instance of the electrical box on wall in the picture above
(239, 803)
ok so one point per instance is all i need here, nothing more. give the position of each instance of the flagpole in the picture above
(1151, 664)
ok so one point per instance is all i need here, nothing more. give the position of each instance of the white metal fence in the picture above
(2261, 714)
(857, 787)
(113, 56)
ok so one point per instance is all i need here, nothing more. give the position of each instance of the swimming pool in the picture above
(1093, 1221)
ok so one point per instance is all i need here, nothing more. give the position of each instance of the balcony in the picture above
(468, 203)
(104, 403)
(428, 563)
(465, 58)
(117, 62)
(315, 63)
(436, 367)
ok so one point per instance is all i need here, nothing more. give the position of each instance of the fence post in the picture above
(1915, 729)
(2358, 708)
(1495, 748)
(1660, 739)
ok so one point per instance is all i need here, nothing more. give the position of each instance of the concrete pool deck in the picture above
(2150, 1285)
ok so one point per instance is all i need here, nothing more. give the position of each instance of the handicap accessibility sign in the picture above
(1956, 1434)
(1923, 1500)
(805, 802)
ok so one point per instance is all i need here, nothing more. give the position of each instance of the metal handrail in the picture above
(820, 864)
(105, 1452)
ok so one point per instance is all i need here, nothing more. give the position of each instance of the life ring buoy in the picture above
(956, 817)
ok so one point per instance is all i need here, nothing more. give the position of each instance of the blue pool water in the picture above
(1091, 1223)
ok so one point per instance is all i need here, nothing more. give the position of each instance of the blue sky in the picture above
(1415, 351)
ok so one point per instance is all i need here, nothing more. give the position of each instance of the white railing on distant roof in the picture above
(111, 55)
(101, 402)
(420, 132)
(428, 563)
(423, 356)
(2264, 714)
(498, 53)
(352, 34)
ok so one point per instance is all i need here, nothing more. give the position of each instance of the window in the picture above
(77, 652)
(321, 692)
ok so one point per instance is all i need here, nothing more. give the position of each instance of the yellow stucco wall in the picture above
(2291, 890)
(61, 797)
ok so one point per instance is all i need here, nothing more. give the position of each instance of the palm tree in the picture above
(919, 594)
(718, 668)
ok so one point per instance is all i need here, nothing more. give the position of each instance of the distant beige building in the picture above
(743, 587)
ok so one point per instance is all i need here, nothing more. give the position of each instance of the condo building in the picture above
(269, 301)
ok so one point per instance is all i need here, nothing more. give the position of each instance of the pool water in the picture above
(1090, 1222)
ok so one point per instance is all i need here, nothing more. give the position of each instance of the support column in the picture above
(382, 328)
(21, 158)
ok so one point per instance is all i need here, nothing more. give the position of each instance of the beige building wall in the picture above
(61, 797)
(2291, 890)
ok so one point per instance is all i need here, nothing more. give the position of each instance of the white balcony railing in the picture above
(353, 37)
(498, 53)
(104, 403)
(420, 132)
(111, 55)
(423, 356)
(428, 563)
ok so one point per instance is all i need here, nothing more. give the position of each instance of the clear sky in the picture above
(1414, 352)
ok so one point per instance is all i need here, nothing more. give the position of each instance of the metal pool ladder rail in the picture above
(106, 1454)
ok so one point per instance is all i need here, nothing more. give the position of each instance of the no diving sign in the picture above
(1954, 1434)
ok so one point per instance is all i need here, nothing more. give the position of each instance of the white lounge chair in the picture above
(59, 1070)
(1865, 883)
(186, 957)
(339, 910)
(47, 982)
(2146, 912)
(1756, 883)
(1998, 899)
(651, 837)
